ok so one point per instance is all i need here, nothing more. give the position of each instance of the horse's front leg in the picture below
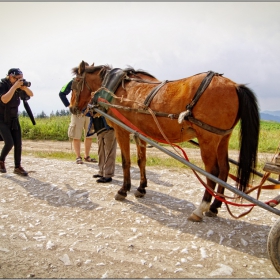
(141, 160)
(124, 144)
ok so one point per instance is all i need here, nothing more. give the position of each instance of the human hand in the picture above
(19, 84)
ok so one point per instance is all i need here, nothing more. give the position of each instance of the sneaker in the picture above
(20, 171)
(2, 167)
(104, 180)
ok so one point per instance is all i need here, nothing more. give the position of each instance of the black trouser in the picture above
(11, 135)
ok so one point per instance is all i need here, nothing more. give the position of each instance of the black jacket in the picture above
(9, 110)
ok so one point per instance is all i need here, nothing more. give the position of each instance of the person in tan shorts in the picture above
(77, 125)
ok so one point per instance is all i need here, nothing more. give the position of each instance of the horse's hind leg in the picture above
(209, 157)
(223, 175)
(124, 144)
(141, 160)
(204, 206)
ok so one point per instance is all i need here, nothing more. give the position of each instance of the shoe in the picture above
(79, 160)
(89, 159)
(104, 180)
(20, 171)
(97, 176)
(2, 167)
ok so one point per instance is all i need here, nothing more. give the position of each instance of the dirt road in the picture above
(59, 223)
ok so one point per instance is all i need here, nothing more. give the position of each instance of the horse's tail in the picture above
(249, 134)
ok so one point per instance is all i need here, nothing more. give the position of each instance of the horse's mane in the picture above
(129, 70)
(92, 69)
(132, 71)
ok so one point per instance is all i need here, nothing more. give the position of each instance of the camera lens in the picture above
(25, 83)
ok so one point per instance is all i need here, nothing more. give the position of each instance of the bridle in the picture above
(78, 85)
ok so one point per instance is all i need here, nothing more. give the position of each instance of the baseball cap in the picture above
(14, 72)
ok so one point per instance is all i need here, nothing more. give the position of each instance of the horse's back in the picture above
(217, 106)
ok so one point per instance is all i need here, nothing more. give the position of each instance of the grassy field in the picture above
(52, 128)
(55, 128)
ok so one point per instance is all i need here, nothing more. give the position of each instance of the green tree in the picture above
(23, 114)
(64, 112)
(42, 115)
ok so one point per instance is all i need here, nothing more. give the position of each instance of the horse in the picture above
(206, 106)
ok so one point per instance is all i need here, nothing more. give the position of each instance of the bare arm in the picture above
(27, 90)
(18, 84)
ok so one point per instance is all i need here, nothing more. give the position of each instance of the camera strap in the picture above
(29, 112)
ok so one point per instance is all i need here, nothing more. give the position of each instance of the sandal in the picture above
(89, 159)
(79, 160)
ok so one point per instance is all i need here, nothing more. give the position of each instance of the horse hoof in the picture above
(210, 214)
(139, 194)
(119, 197)
(194, 218)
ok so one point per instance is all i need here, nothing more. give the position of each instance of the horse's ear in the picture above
(82, 67)
(92, 64)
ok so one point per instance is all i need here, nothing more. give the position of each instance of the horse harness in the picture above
(187, 115)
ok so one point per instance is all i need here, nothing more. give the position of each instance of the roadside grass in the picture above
(151, 161)
(50, 154)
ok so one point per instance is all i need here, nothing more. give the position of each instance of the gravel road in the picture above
(59, 223)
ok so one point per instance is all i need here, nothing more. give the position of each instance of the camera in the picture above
(25, 83)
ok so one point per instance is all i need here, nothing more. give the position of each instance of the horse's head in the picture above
(88, 80)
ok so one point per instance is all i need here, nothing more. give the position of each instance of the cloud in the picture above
(171, 40)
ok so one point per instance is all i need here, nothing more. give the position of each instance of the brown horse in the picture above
(201, 106)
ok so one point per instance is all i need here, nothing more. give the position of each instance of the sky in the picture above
(170, 40)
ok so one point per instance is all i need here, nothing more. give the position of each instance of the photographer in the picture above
(13, 88)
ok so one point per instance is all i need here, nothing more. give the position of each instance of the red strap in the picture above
(129, 124)
(273, 201)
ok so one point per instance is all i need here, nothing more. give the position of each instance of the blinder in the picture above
(78, 83)
(77, 87)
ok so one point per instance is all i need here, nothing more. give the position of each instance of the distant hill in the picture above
(273, 113)
(270, 116)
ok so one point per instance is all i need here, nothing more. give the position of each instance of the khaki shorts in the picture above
(77, 126)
